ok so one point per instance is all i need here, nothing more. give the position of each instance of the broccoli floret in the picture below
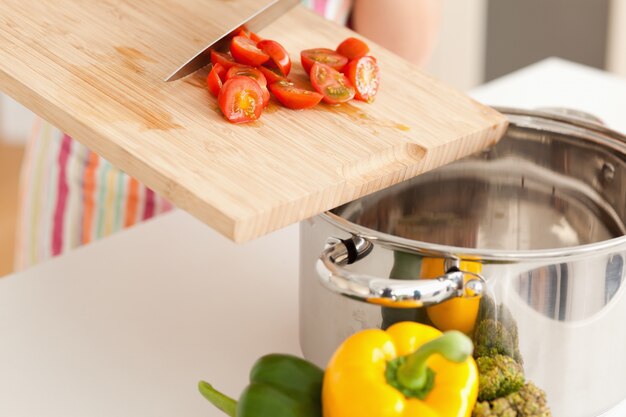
(529, 401)
(493, 409)
(487, 308)
(504, 316)
(502, 391)
(499, 376)
(492, 338)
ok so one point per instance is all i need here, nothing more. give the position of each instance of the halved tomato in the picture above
(271, 75)
(250, 35)
(322, 55)
(214, 79)
(256, 38)
(279, 58)
(236, 70)
(241, 99)
(226, 60)
(332, 84)
(245, 52)
(353, 48)
(266, 96)
(364, 75)
(293, 97)
(221, 71)
(253, 73)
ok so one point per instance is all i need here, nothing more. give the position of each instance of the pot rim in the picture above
(557, 122)
(492, 255)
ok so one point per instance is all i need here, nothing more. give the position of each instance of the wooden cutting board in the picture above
(96, 70)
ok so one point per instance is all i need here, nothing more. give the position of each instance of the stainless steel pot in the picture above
(536, 223)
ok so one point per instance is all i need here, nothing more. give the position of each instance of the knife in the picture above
(254, 23)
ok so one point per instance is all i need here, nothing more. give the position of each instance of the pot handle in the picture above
(397, 293)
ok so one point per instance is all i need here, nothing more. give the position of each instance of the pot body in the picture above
(540, 217)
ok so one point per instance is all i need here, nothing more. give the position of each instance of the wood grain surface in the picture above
(96, 70)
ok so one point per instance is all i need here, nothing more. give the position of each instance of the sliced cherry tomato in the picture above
(221, 71)
(364, 75)
(323, 55)
(242, 32)
(225, 60)
(250, 35)
(256, 38)
(279, 58)
(236, 70)
(241, 99)
(214, 79)
(271, 75)
(293, 97)
(353, 48)
(266, 96)
(253, 73)
(332, 84)
(245, 52)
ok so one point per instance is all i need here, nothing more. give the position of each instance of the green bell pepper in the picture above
(280, 386)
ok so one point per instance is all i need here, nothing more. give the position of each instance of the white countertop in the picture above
(127, 326)
(557, 83)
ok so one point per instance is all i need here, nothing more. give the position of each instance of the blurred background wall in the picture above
(616, 59)
(484, 39)
(522, 32)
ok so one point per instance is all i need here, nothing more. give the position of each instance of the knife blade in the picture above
(257, 21)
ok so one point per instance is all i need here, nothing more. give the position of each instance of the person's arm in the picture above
(406, 27)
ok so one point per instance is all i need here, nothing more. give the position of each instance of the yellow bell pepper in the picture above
(458, 313)
(409, 370)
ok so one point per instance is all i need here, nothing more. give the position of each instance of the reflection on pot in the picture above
(458, 313)
(563, 292)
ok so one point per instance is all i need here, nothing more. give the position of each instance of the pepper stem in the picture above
(219, 400)
(414, 375)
